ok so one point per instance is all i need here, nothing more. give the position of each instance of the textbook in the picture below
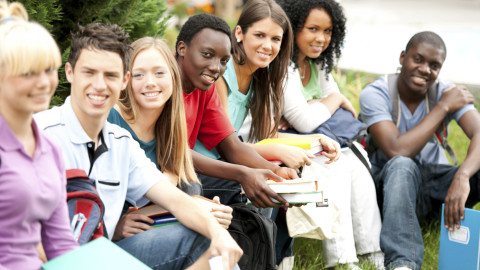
(459, 249)
(298, 191)
(310, 144)
(100, 253)
(298, 185)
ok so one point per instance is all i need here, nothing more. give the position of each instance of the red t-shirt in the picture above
(206, 118)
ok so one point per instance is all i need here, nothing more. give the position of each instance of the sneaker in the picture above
(376, 258)
(403, 268)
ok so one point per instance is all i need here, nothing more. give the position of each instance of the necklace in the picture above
(302, 76)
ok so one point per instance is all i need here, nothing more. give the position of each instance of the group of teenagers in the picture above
(149, 125)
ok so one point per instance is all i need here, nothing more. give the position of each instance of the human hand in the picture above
(283, 124)
(222, 213)
(292, 156)
(331, 148)
(222, 244)
(455, 200)
(129, 225)
(455, 97)
(255, 186)
(347, 105)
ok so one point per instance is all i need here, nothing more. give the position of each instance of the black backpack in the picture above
(256, 235)
(85, 208)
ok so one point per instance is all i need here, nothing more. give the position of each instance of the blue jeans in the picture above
(168, 247)
(283, 243)
(409, 189)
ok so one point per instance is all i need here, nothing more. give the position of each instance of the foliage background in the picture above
(61, 17)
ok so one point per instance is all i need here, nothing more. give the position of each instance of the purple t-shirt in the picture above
(32, 201)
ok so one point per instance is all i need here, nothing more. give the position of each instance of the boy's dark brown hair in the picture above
(100, 36)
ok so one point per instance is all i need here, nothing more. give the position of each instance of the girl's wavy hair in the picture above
(298, 13)
(172, 150)
(267, 82)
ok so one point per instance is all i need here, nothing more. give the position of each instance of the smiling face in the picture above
(151, 80)
(420, 68)
(96, 83)
(28, 93)
(204, 60)
(315, 35)
(261, 42)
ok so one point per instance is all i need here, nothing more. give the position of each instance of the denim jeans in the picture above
(409, 188)
(168, 247)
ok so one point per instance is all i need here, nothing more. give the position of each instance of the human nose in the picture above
(215, 66)
(320, 36)
(43, 80)
(99, 82)
(149, 83)
(267, 45)
(424, 68)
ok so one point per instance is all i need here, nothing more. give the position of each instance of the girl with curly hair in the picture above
(311, 97)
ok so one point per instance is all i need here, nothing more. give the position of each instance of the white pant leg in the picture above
(341, 248)
(364, 208)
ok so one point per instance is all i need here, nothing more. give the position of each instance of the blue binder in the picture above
(460, 249)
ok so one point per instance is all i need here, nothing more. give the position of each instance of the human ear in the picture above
(402, 57)
(181, 47)
(238, 33)
(69, 72)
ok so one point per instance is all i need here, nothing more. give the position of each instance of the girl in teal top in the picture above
(151, 109)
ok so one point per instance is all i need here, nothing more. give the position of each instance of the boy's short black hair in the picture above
(427, 37)
(100, 36)
(197, 23)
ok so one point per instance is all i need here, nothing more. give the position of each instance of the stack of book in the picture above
(299, 191)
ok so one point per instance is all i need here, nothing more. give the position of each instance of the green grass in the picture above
(308, 252)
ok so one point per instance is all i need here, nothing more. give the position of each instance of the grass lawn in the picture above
(308, 252)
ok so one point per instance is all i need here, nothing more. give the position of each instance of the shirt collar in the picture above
(75, 130)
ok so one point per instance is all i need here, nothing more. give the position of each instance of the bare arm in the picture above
(196, 217)
(222, 91)
(334, 101)
(460, 187)
(410, 143)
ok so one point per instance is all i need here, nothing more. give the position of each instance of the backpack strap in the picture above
(441, 134)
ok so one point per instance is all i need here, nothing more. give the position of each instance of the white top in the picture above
(123, 172)
(302, 116)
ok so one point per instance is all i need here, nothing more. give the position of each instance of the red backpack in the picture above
(85, 208)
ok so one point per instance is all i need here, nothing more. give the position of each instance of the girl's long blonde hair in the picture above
(172, 150)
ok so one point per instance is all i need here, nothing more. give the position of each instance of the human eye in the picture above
(225, 60)
(160, 73)
(277, 39)
(313, 29)
(27, 74)
(328, 31)
(50, 70)
(417, 59)
(137, 75)
(207, 54)
(259, 35)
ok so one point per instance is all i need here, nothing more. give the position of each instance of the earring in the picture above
(238, 40)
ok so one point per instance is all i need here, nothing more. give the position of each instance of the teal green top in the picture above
(238, 105)
(312, 89)
(114, 117)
